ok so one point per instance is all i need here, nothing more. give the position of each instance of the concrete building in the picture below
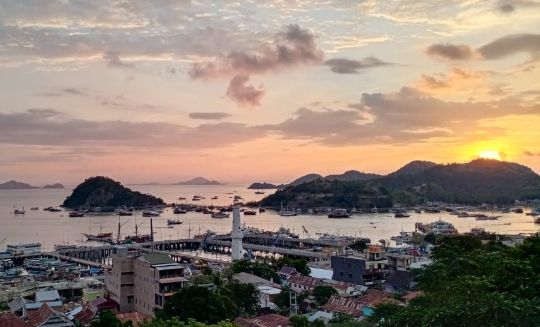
(364, 269)
(143, 283)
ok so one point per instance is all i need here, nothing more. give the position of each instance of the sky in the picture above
(243, 91)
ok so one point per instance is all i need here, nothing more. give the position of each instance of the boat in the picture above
(76, 214)
(52, 209)
(417, 210)
(438, 227)
(537, 220)
(150, 213)
(250, 212)
(485, 217)
(182, 198)
(34, 208)
(25, 248)
(285, 212)
(143, 238)
(259, 192)
(517, 210)
(214, 198)
(58, 247)
(101, 237)
(534, 212)
(19, 211)
(125, 213)
(220, 215)
(261, 210)
(174, 222)
(178, 211)
(477, 230)
(432, 210)
(339, 213)
(401, 215)
(196, 198)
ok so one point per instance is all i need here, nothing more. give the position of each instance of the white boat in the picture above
(220, 215)
(26, 248)
(150, 213)
(285, 212)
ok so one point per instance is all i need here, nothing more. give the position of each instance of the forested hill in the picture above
(102, 191)
(479, 181)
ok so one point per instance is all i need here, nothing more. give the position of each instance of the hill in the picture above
(14, 185)
(305, 179)
(55, 185)
(199, 181)
(351, 176)
(102, 191)
(263, 186)
(479, 181)
(414, 167)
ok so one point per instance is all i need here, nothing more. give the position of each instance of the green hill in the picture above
(102, 191)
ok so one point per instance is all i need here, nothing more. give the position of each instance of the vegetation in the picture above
(359, 245)
(108, 319)
(104, 192)
(256, 268)
(175, 322)
(299, 264)
(322, 293)
(472, 284)
(479, 181)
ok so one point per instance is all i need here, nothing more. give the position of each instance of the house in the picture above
(398, 280)
(85, 315)
(300, 283)
(285, 272)
(17, 305)
(400, 261)
(268, 320)
(268, 290)
(9, 319)
(366, 269)
(321, 315)
(247, 278)
(105, 303)
(46, 316)
(346, 305)
(136, 318)
(51, 298)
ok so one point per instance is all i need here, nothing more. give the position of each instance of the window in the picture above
(130, 298)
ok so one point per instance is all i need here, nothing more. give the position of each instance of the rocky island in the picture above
(102, 191)
(53, 186)
(263, 186)
(14, 185)
(199, 181)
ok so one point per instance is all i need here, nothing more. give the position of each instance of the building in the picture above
(9, 319)
(366, 269)
(268, 320)
(144, 282)
(300, 283)
(46, 316)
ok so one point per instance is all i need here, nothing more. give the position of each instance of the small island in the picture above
(102, 191)
(263, 186)
(14, 185)
(53, 186)
(199, 181)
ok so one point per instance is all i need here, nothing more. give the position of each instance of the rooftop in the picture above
(47, 296)
(156, 258)
(269, 320)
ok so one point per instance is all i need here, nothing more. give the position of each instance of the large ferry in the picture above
(22, 249)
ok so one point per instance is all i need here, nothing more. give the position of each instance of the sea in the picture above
(50, 228)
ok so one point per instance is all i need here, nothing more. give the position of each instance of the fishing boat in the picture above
(339, 213)
(19, 211)
(537, 220)
(485, 217)
(52, 209)
(125, 213)
(101, 237)
(182, 198)
(517, 210)
(220, 215)
(437, 227)
(34, 208)
(143, 238)
(179, 211)
(261, 210)
(150, 213)
(173, 222)
(285, 212)
(76, 214)
(250, 212)
(259, 192)
(401, 215)
(214, 197)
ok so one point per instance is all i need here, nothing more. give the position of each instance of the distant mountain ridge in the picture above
(14, 185)
(478, 181)
(199, 181)
(54, 186)
(263, 186)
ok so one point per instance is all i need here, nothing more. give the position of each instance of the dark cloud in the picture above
(511, 44)
(113, 60)
(244, 94)
(450, 51)
(509, 6)
(292, 47)
(349, 66)
(531, 154)
(506, 8)
(50, 127)
(208, 115)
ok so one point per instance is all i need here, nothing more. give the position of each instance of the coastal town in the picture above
(320, 279)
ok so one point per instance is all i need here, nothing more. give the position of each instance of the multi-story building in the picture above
(365, 269)
(143, 283)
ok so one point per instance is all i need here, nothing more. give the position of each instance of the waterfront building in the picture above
(367, 268)
(144, 282)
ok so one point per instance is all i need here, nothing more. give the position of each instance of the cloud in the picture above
(457, 78)
(509, 6)
(113, 60)
(50, 127)
(531, 154)
(511, 44)
(208, 115)
(349, 66)
(244, 94)
(450, 51)
(59, 93)
(292, 47)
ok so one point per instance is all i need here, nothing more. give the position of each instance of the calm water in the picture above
(49, 228)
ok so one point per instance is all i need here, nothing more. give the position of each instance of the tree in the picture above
(200, 304)
(175, 322)
(299, 264)
(245, 297)
(322, 293)
(108, 319)
(256, 268)
(359, 245)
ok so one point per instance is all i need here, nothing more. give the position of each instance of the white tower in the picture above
(236, 233)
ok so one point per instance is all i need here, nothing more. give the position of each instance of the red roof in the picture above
(103, 303)
(8, 319)
(135, 317)
(373, 297)
(307, 281)
(39, 316)
(347, 305)
(87, 314)
(269, 320)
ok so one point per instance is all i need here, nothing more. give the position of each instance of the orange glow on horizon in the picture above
(490, 154)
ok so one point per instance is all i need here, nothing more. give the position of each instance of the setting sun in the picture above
(490, 154)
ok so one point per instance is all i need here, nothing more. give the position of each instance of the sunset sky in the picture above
(243, 91)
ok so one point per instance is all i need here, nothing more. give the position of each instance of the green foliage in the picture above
(104, 192)
(471, 284)
(189, 302)
(245, 297)
(359, 245)
(322, 293)
(108, 319)
(299, 264)
(175, 322)
(256, 268)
